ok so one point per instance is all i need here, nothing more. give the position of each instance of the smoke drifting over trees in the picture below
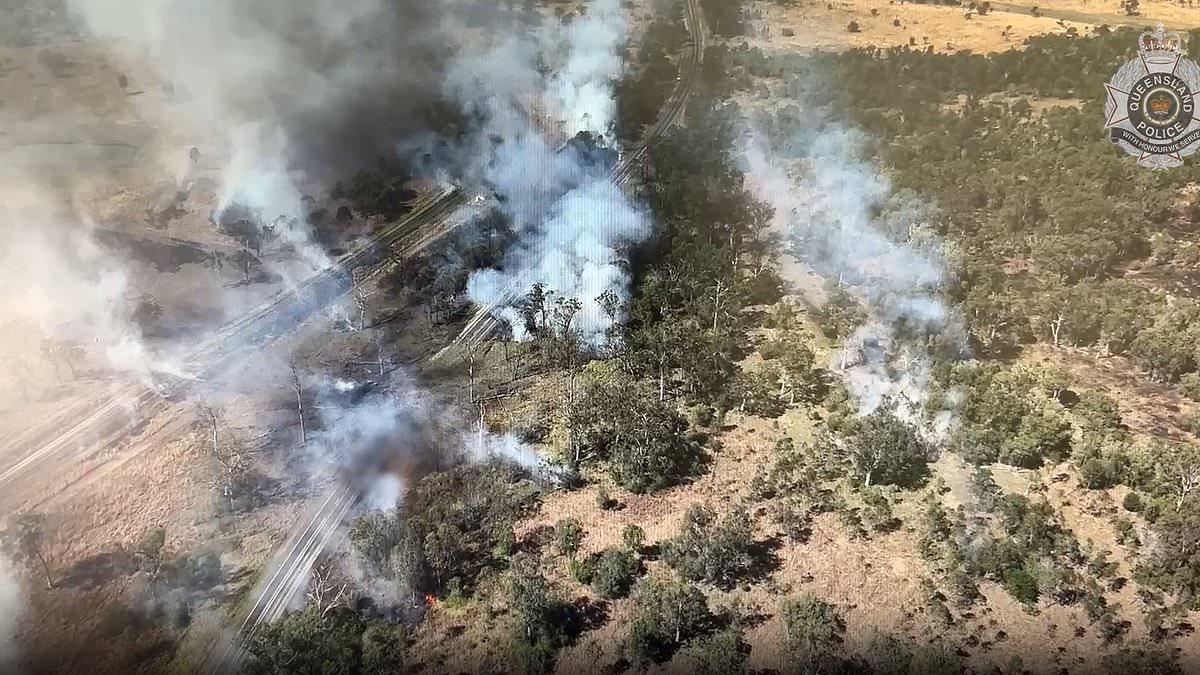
(574, 224)
(386, 439)
(840, 217)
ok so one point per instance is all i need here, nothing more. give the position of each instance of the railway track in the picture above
(484, 321)
(291, 569)
(290, 573)
(105, 423)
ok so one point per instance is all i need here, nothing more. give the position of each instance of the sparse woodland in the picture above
(1051, 239)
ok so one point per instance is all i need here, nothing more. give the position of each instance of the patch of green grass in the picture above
(245, 580)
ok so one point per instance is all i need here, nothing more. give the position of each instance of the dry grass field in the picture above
(822, 24)
(120, 150)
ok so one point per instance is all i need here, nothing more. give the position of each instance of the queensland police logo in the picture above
(1151, 108)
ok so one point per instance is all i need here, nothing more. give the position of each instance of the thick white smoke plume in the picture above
(576, 250)
(839, 216)
(582, 90)
(12, 611)
(380, 440)
(574, 224)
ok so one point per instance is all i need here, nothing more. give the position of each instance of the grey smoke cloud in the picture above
(841, 218)
(299, 92)
(12, 611)
(575, 225)
(382, 439)
(339, 79)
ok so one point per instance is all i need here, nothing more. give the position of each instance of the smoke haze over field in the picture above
(338, 80)
(54, 274)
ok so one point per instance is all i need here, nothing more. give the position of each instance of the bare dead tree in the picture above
(325, 592)
(210, 417)
(360, 300)
(379, 362)
(245, 260)
(717, 294)
(1056, 328)
(468, 356)
(298, 388)
(482, 423)
(24, 373)
(232, 457)
(379, 353)
(52, 350)
(1179, 470)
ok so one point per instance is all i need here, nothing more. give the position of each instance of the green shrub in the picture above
(1126, 533)
(887, 655)
(1021, 585)
(885, 450)
(1193, 424)
(721, 653)
(812, 627)
(965, 588)
(794, 519)
(936, 659)
(1132, 502)
(613, 572)
(568, 536)
(604, 501)
(580, 570)
(878, 513)
(711, 551)
(633, 537)
(1098, 474)
(666, 615)
(1191, 385)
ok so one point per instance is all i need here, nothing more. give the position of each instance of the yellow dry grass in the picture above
(875, 583)
(822, 24)
(1147, 408)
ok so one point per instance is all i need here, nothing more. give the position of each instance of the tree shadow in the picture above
(587, 615)
(650, 552)
(533, 541)
(97, 570)
(621, 665)
(764, 559)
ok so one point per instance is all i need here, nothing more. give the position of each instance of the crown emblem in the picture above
(1159, 46)
(1160, 106)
